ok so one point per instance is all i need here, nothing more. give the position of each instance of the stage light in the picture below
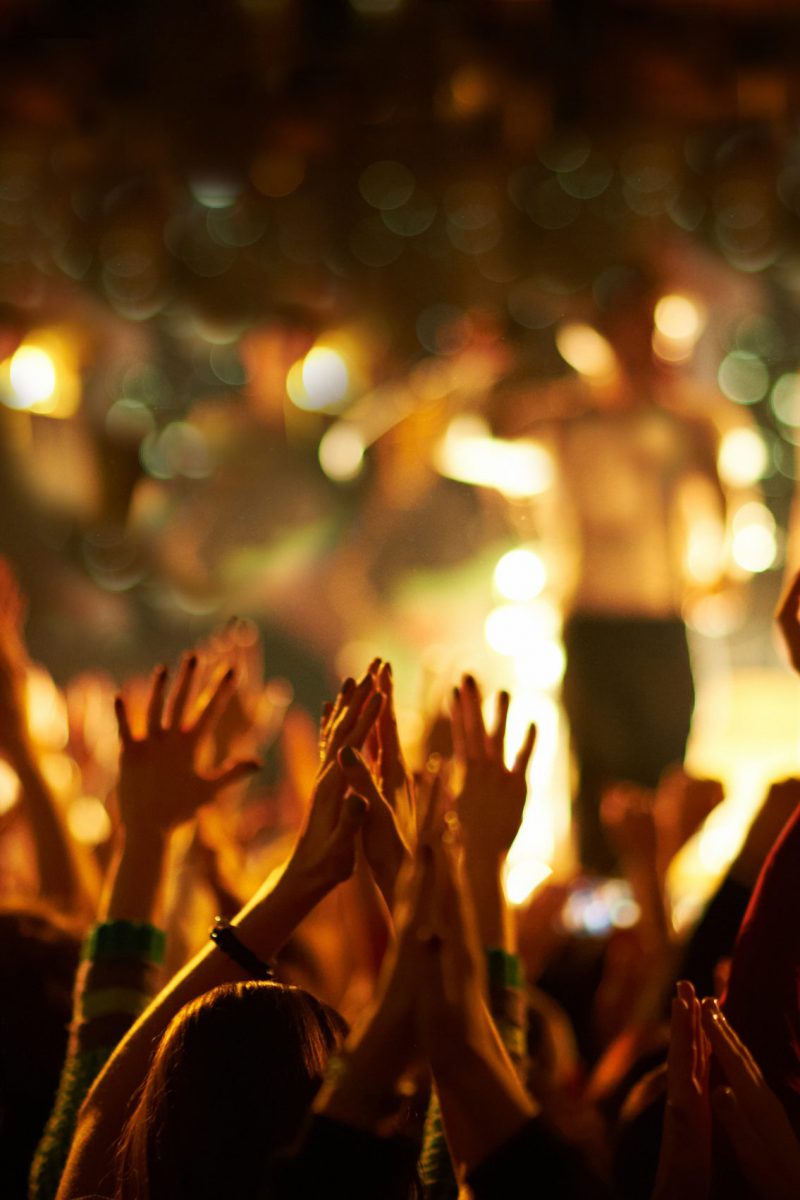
(520, 575)
(33, 377)
(679, 318)
(586, 351)
(743, 457)
(320, 381)
(325, 376)
(470, 454)
(341, 452)
(41, 376)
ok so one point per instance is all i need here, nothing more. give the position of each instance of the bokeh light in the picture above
(520, 575)
(743, 457)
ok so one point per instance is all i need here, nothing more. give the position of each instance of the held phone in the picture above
(596, 906)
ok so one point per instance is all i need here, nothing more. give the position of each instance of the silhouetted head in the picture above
(230, 1085)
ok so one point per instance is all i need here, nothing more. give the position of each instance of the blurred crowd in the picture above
(368, 1016)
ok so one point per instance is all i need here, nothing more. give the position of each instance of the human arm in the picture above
(323, 856)
(67, 877)
(119, 972)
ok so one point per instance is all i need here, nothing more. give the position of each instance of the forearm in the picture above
(66, 877)
(135, 886)
(263, 925)
(484, 875)
(118, 977)
(483, 1104)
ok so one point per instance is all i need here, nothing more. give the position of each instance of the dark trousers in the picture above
(628, 695)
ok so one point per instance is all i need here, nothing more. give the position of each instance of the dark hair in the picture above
(231, 1082)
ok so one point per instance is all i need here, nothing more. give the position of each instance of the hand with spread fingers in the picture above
(492, 796)
(489, 805)
(160, 783)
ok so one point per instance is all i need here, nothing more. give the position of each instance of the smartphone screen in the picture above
(596, 906)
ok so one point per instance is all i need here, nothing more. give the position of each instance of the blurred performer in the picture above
(641, 513)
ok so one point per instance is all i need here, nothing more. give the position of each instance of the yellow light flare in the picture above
(341, 452)
(754, 545)
(586, 351)
(9, 787)
(33, 377)
(743, 457)
(41, 376)
(520, 575)
(522, 878)
(88, 820)
(470, 454)
(679, 318)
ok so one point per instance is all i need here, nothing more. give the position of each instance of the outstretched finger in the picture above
(155, 706)
(474, 728)
(737, 1064)
(357, 734)
(525, 751)
(498, 735)
(214, 707)
(183, 686)
(123, 724)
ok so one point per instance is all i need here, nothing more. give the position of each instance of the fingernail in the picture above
(685, 990)
(348, 757)
(469, 680)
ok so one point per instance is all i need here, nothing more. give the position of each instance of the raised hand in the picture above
(350, 718)
(161, 784)
(492, 796)
(325, 853)
(626, 811)
(384, 845)
(682, 803)
(684, 1166)
(396, 781)
(752, 1116)
(788, 619)
(779, 806)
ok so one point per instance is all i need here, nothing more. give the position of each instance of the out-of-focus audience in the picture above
(369, 1017)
